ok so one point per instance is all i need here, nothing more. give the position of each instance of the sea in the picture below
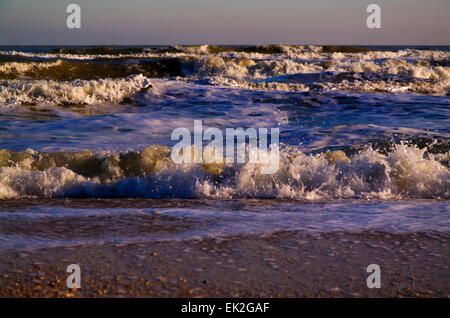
(86, 139)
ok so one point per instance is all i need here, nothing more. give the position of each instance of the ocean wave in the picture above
(417, 76)
(74, 55)
(425, 77)
(17, 92)
(273, 67)
(12, 68)
(405, 172)
(62, 70)
(381, 86)
(250, 49)
(421, 69)
(244, 69)
(293, 52)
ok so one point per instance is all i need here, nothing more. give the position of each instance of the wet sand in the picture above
(284, 264)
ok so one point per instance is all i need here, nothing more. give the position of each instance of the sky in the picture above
(166, 22)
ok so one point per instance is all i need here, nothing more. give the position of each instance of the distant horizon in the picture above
(248, 22)
(224, 45)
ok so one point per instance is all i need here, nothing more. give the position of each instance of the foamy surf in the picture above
(18, 92)
(10, 68)
(273, 67)
(405, 172)
(322, 98)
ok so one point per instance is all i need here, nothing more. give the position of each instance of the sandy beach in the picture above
(285, 264)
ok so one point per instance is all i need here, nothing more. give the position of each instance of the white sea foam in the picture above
(16, 92)
(420, 87)
(22, 67)
(366, 72)
(81, 57)
(404, 172)
(418, 71)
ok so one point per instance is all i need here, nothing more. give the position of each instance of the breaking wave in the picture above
(12, 68)
(17, 92)
(419, 76)
(405, 172)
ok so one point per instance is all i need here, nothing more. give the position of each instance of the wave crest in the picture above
(16, 92)
(406, 171)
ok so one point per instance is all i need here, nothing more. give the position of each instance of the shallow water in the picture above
(355, 124)
(31, 225)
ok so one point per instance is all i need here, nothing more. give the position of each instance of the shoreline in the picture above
(282, 264)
